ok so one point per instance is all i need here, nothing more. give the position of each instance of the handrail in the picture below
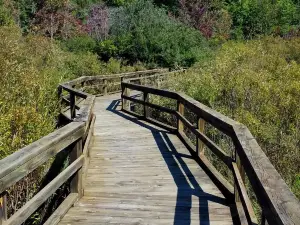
(73, 139)
(279, 205)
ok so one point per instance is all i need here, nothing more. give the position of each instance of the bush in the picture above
(252, 18)
(144, 32)
(256, 83)
(80, 44)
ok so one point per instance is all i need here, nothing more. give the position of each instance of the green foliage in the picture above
(5, 16)
(119, 2)
(252, 18)
(142, 31)
(256, 83)
(80, 44)
(296, 185)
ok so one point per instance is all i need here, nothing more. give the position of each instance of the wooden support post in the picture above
(200, 144)
(76, 182)
(59, 93)
(140, 80)
(105, 87)
(72, 105)
(146, 108)
(3, 208)
(180, 108)
(242, 172)
(125, 102)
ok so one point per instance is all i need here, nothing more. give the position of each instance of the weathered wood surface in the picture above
(141, 174)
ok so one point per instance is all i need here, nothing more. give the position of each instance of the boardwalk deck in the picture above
(141, 174)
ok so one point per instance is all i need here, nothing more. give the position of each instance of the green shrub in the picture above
(142, 31)
(80, 44)
(252, 18)
(256, 83)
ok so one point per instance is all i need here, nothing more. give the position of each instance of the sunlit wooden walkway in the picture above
(141, 174)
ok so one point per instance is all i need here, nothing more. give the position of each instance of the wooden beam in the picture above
(151, 105)
(17, 165)
(31, 206)
(241, 195)
(180, 108)
(209, 143)
(277, 201)
(63, 208)
(72, 106)
(76, 182)
(146, 100)
(105, 86)
(74, 91)
(200, 144)
(3, 208)
(151, 90)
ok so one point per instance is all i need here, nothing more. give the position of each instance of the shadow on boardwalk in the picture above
(186, 183)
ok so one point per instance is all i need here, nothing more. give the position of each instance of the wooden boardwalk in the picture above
(141, 174)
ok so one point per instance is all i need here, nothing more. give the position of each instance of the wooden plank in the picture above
(160, 124)
(74, 91)
(274, 196)
(218, 120)
(142, 173)
(111, 76)
(243, 196)
(31, 206)
(19, 164)
(151, 90)
(241, 214)
(63, 208)
(151, 105)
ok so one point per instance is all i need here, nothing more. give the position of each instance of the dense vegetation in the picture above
(244, 59)
(256, 83)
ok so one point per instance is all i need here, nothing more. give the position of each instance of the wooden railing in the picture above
(105, 84)
(278, 204)
(71, 140)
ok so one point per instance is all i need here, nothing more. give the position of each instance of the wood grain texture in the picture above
(279, 204)
(62, 209)
(22, 214)
(142, 174)
(16, 166)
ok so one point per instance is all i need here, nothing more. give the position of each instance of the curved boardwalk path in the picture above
(141, 174)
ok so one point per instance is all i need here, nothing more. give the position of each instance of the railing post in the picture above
(242, 173)
(3, 208)
(72, 105)
(146, 108)
(105, 87)
(140, 76)
(59, 92)
(180, 108)
(125, 102)
(200, 144)
(76, 182)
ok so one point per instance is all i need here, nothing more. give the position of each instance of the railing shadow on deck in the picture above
(179, 171)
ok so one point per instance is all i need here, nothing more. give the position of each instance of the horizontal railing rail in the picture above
(75, 88)
(279, 205)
